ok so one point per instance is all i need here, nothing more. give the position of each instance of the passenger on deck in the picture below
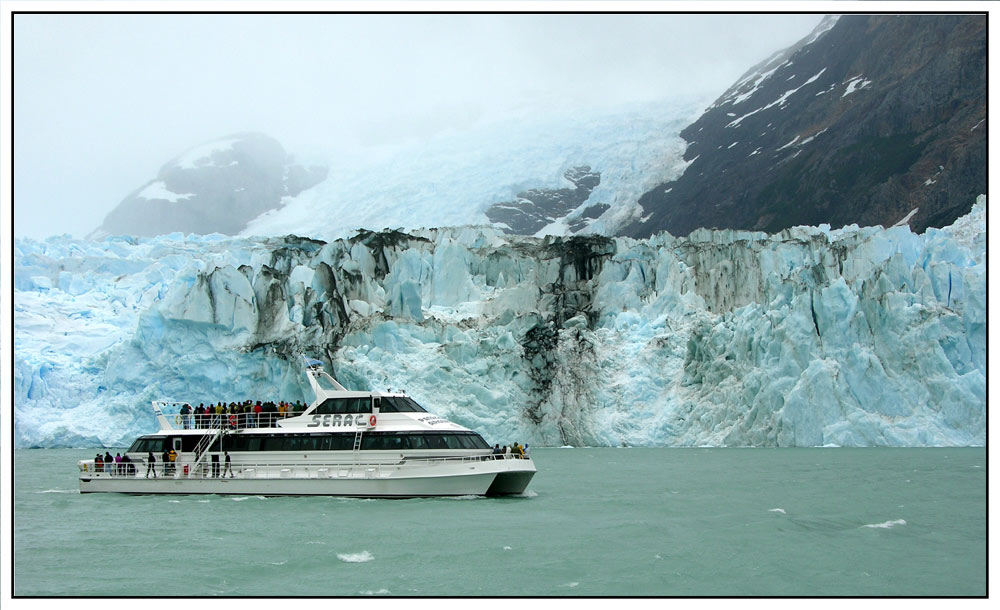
(172, 456)
(127, 467)
(98, 463)
(257, 409)
(518, 453)
(229, 467)
(118, 463)
(269, 410)
(109, 463)
(186, 416)
(165, 458)
(150, 465)
(527, 452)
(506, 452)
(496, 450)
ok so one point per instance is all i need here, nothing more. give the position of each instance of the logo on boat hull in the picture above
(335, 420)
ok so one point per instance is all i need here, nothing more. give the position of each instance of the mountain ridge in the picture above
(216, 187)
(867, 119)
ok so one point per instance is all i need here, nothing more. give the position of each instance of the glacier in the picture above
(809, 337)
(451, 179)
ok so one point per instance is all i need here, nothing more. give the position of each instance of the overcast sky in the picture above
(102, 101)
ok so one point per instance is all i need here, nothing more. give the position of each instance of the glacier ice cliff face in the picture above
(852, 337)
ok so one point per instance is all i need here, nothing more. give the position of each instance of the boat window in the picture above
(435, 441)
(382, 441)
(371, 441)
(438, 440)
(270, 443)
(156, 444)
(415, 441)
(344, 405)
(236, 442)
(396, 404)
(340, 442)
(478, 441)
(466, 441)
(452, 441)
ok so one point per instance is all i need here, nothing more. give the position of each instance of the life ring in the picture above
(232, 421)
(372, 420)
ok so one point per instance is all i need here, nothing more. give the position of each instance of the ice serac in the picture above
(811, 336)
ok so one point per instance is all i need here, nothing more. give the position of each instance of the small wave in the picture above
(315, 542)
(278, 563)
(58, 491)
(379, 592)
(776, 510)
(657, 556)
(886, 524)
(466, 497)
(240, 499)
(361, 557)
(203, 501)
(174, 501)
(507, 548)
(570, 585)
(531, 493)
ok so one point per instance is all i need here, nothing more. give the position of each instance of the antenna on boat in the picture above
(320, 381)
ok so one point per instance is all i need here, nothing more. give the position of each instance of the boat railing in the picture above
(227, 421)
(206, 469)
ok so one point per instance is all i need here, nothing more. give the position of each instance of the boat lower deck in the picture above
(408, 478)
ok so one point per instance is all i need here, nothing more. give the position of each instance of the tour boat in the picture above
(359, 444)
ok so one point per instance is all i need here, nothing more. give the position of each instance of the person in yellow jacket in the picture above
(172, 456)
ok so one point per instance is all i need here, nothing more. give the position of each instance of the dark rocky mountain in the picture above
(865, 120)
(214, 188)
(534, 209)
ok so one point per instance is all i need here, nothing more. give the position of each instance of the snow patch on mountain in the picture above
(201, 156)
(158, 190)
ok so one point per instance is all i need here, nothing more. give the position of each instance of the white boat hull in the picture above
(418, 479)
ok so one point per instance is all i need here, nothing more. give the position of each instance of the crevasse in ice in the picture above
(849, 337)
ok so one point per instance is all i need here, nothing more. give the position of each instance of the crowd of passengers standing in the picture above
(246, 414)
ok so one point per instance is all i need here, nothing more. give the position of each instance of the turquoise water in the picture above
(622, 522)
